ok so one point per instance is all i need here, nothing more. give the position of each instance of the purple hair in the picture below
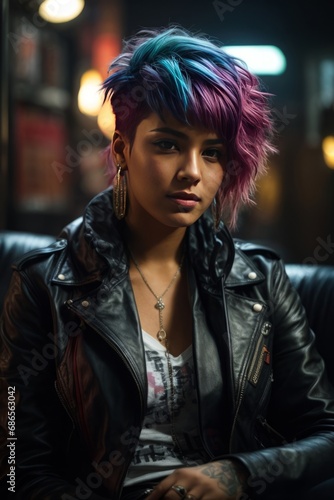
(193, 78)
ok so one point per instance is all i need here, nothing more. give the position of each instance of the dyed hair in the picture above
(194, 79)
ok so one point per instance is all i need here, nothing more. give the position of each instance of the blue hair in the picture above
(187, 75)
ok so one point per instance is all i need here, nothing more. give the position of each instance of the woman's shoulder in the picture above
(254, 248)
(39, 254)
(253, 263)
(43, 260)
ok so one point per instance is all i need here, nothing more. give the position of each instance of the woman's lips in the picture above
(185, 199)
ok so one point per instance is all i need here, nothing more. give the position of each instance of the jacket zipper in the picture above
(242, 391)
(261, 357)
(206, 448)
(271, 430)
(231, 374)
(269, 381)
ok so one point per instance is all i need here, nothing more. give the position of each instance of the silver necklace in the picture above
(162, 337)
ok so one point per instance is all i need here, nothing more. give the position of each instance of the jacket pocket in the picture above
(266, 435)
(261, 358)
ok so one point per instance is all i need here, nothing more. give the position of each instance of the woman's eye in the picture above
(213, 153)
(166, 145)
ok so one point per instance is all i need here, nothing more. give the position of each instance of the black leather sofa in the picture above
(12, 246)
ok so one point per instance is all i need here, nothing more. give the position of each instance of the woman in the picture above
(152, 356)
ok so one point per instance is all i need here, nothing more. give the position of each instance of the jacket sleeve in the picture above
(301, 406)
(35, 430)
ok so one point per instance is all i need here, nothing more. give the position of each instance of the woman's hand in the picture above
(221, 480)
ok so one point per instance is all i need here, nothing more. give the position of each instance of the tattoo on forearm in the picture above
(226, 476)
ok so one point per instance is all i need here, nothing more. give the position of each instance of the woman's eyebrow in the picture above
(182, 135)
(214, 141)
(171, 131)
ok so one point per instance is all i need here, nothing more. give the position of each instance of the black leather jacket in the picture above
(71, 346)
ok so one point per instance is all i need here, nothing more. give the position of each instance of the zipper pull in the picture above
(266, 355)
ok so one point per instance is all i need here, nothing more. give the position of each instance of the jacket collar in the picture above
(95, 245)
(244, 271)
(216, 256)
(95, 249)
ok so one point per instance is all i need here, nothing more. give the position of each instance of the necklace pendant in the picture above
(160, 305)
(161, 335)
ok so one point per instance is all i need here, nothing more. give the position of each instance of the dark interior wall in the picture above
(42, 121)
(3, 111)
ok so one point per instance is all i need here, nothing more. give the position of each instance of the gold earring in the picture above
(119, 193)
(216, 213)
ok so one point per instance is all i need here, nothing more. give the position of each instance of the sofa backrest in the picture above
(315, 285)
(13, 245)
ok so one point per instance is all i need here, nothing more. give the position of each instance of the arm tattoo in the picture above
(226, 475)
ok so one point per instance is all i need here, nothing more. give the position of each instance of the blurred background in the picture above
(53, 128)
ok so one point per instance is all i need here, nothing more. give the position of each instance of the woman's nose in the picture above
(190, 169)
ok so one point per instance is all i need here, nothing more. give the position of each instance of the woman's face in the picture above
(173, 171)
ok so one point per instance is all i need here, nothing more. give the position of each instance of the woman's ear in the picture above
(118, 148)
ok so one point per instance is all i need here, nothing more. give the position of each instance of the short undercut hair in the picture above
(192, 78)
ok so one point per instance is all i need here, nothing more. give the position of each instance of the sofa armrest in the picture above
(13, 245)
(315, 285)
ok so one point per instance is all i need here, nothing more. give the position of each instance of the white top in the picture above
(155, 455)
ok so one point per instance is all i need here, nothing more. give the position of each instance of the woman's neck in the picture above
(159, 244)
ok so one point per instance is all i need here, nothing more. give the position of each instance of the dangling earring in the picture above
(216, 213)
(119, 193)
